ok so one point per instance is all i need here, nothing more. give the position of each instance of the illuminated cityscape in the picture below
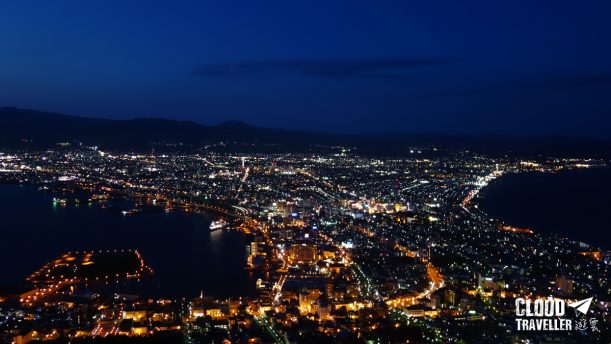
(305, 172)
(348, 248)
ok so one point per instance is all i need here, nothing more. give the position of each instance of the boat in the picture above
(60, 200)
(219, 224)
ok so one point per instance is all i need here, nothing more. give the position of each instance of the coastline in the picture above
(516, 199)
(179, 261)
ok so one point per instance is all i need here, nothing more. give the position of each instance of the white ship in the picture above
(220, 224)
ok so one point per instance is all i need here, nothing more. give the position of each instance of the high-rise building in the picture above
(303, 253)
(450, 297)
(254, 248)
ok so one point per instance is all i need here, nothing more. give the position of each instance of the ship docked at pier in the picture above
(218, 224)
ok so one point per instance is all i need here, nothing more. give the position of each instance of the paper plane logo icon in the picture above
(581, 306)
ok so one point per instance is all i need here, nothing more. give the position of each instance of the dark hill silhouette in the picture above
(37, 129)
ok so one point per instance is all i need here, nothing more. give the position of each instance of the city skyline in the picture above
(323, 246)
(288, 172)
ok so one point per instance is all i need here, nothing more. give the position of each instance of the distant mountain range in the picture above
(36, 129)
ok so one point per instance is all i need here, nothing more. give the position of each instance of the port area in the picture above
(81, 270)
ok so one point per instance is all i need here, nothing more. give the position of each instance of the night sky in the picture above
(521, 67)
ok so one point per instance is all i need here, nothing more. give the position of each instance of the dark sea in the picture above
(186, 257)
(573, 203)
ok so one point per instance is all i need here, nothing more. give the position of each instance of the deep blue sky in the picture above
(525, 67)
